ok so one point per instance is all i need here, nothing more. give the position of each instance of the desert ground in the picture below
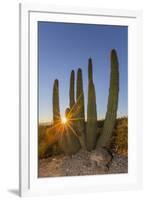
(54, 163)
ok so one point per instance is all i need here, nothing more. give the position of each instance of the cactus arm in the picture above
(91, 135)
(112, 105)
(71, 91)
(80, 113)
(56, 108)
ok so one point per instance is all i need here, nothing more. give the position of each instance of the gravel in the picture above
(80, 164)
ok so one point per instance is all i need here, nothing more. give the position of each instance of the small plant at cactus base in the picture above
(83, 120)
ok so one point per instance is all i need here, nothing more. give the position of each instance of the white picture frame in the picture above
(30, 184)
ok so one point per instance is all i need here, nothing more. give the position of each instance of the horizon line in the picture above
(51, 121)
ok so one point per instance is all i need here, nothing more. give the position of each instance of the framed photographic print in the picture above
(80, 100)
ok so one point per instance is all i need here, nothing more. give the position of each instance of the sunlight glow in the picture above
(64, 120)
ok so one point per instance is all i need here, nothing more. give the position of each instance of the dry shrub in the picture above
(119, 142)
(47, 141)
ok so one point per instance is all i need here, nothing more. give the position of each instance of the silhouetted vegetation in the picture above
(73, 132)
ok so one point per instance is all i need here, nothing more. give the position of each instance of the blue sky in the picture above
(65, 46)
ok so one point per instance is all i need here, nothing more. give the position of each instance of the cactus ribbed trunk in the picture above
(68, 140)
(91, 134)
(112, 106)
(56, 109)
(71, 91)
(80, 113)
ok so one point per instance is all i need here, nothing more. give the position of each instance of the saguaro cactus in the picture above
(56, 109)
(112, 105)
(91, 134)
(71, 90)
(68, 140)
(80, 113)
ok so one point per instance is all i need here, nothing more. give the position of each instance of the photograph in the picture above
(82, 99)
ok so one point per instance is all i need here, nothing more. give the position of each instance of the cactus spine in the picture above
(68, 140)
(91, 135)
(71, 91)
(56, 109)
(112, 105)
(80, 113)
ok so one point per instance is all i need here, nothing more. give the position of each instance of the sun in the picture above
(64, 120)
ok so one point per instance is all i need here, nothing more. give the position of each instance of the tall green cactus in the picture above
(72, 113)
(68, 140)
(112, 105)
(56, 109)
(80, 113)
(91, 127)
(71, 90)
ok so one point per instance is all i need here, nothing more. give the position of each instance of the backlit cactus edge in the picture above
(80, 134)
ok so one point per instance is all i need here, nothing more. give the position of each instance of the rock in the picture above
(101, 158)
